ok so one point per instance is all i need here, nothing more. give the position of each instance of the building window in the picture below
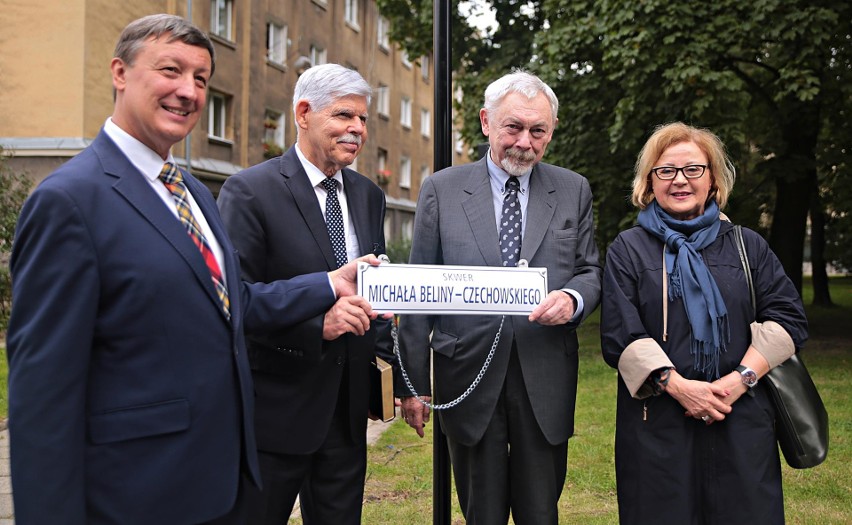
(273, 133)
(383, 100)
(424, 172)
(221, 13)
(350, 13)
(318, 56)
(425, 122)
(217, 116)
(407, 229)
(459, 142)
(404, 58)
(405, 112)
(404, 172)
(383, 33)
(276, 43)
(424, 67)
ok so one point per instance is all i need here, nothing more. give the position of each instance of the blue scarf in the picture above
(689, 278)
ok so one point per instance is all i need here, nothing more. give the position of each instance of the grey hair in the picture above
(139, 31)
(519, 81)
(321, 85)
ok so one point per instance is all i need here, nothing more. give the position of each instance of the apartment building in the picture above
(57, 92)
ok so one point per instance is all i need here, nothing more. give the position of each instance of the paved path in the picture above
(7, 512)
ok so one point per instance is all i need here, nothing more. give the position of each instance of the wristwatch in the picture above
(749, 375)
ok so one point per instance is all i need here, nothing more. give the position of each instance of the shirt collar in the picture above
(314, 174)
(499, 176)
(141, 156)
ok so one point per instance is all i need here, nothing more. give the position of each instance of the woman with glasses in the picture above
(695, 439)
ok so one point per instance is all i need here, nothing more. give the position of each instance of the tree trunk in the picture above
(787, 237)
(822, 296)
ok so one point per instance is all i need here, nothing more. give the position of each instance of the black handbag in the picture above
(801, 422)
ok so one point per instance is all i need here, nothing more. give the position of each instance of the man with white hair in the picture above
(292, 215)
(508, 439)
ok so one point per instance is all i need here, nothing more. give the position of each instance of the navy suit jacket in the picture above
(272, 214)
(130, 396)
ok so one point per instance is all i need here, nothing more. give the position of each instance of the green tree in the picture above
(771, 77)
(14, 188)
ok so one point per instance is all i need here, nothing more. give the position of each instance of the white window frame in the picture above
(403, 57)
(405, 112)
(217, 107)
(404, 172)
(219, 27)
(319, 55)
(383, 33)
(425, 122)
(350, 14)
(424, 172)
(383, 100)
(424, 67)
(276, 43)
(278, 135)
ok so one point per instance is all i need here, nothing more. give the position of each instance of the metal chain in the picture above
(464, 394)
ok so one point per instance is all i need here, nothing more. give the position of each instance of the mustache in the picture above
(521, 155)
(351, 138)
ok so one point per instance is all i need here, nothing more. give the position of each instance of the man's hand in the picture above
(415, 413)
(557, 308)
(345, 278)
(350, 314)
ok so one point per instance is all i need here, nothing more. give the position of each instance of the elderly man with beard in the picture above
(292, 215)
(508, 440)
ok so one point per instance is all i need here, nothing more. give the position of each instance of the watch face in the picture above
(749, 378)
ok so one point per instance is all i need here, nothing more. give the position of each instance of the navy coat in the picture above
(130, 397)
(676, 468)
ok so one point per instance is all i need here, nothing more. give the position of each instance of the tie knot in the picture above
(513, 185)
(170, 174)
(330, 184)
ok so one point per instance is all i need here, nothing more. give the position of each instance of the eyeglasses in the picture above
(693, 171)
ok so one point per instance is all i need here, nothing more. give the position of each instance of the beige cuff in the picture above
(639, 359)
(772, 342)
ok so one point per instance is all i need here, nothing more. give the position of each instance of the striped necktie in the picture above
(173, 180)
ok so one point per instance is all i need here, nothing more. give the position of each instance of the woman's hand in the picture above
(733, 384)
(700, 399)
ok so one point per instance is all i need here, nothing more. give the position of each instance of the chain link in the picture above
(473, 385)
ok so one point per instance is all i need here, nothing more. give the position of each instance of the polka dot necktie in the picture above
(510, 224)
(334, 221)
(173, 180)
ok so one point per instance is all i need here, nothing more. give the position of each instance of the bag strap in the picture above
(738, 233)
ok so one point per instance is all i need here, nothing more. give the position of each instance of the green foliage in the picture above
(399, 251)
(14, 188)
(770, 77)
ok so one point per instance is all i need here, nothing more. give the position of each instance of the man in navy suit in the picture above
(130, 395)
(312, 379)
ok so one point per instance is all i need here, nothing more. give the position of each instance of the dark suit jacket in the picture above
(272, 214)
(130, 397)
(455, 224)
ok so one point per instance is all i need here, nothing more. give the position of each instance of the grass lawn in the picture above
(399, 472)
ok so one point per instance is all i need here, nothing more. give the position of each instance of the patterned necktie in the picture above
(510, 224)
(173, 180)
(334, 221)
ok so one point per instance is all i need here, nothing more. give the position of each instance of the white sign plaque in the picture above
(435, 289)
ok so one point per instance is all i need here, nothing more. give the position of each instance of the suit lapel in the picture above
(540, 209)
(305, 198)
(133, 187)
(357, 200)
(479, 209)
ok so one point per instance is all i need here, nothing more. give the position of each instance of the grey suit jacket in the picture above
(455, 224)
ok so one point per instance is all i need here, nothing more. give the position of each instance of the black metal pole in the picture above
(442, 27)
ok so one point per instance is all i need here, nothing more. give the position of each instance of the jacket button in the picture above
(341, 360)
